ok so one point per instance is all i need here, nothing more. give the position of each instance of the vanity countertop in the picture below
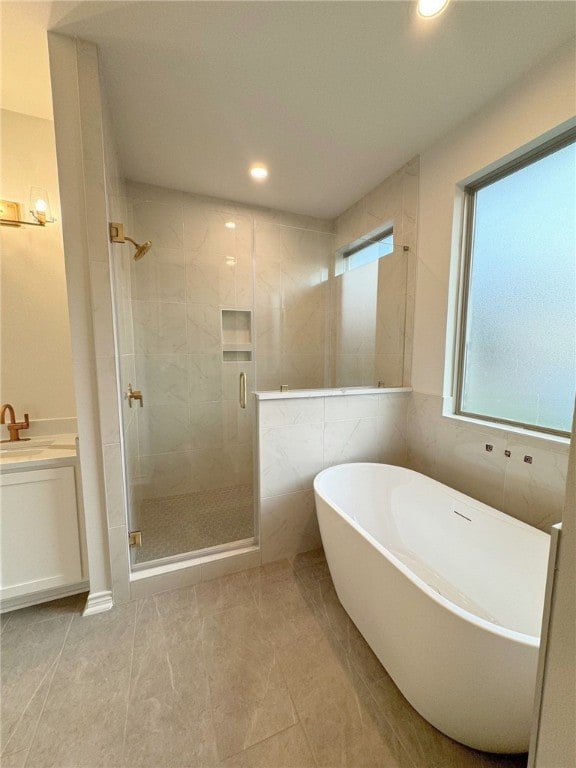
(38, 452)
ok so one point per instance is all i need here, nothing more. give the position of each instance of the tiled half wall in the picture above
(300, 436)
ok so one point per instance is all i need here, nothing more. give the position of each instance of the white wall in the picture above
(79, 140)
(35, 353)
(454, 451)
(543, 100)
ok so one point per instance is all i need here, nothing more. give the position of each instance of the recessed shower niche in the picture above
(236, 335)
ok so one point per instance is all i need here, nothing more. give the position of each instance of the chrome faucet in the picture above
(13, 426)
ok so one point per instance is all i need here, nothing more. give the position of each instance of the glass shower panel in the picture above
(194, 488)
(124, 333)
(291, 306)
(354, 301)
(368, 312)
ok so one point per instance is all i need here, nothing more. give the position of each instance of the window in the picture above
(517, 361)
(364, 251)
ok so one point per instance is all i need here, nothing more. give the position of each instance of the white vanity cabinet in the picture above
(39, 532)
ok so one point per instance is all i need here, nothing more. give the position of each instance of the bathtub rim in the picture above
(532, 641)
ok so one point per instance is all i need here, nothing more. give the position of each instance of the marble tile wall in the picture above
(372, 307)
(298, 438)
(191, 435)
(454, 452)
(292, 305)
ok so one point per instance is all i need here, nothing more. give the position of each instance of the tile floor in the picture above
(261, 669)
(174, 525)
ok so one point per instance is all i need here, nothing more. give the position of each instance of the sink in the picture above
(16, 448)
(38, 451)
(21, 452)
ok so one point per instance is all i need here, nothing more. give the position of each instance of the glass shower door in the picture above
(186, 317)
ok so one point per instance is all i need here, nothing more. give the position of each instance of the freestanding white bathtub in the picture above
(448, 593)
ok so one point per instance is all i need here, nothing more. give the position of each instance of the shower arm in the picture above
(116, 231)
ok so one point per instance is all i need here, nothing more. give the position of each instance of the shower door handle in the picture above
(242, 390)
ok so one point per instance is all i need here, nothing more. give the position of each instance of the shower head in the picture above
(117, 236)
(141, 250)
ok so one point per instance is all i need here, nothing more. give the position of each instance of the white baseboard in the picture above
(98, 602)
(35, 598)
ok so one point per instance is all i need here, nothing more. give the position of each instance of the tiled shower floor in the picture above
(177, 524)
(261, 669)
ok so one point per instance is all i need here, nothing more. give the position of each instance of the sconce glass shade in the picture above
(429, 8)
(40, 205)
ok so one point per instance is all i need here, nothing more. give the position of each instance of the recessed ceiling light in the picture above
(429, 8)
(230, 225)
(258, 171)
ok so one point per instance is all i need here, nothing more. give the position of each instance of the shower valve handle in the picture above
(134, 394)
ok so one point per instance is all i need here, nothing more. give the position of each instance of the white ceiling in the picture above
(332, 96)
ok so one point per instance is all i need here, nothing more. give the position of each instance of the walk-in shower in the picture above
(218, 312)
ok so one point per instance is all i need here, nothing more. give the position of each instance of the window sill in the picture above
(557, 440)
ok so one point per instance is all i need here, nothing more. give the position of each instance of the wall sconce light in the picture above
(39, 208)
